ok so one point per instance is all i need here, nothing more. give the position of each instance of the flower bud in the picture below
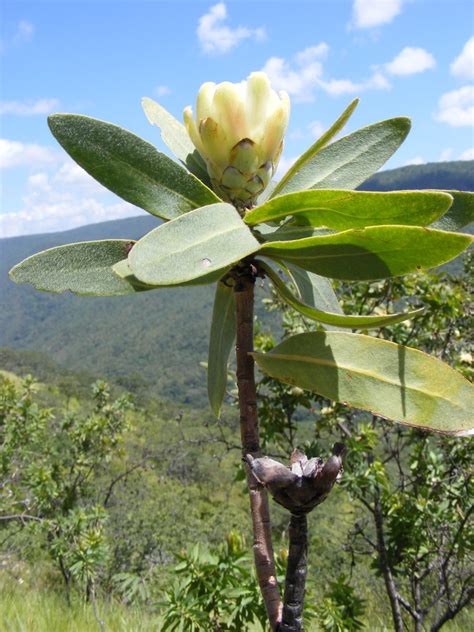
(238, 130)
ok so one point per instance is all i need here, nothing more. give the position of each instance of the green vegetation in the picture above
(168, 471)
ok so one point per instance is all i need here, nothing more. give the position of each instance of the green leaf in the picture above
(175, 136)
(390, 380)
(347, 162)
(459, 214)
(302, 168)
(377, 252)
(314, 290)
(205, 241)
(82, 268)
(338, 320)
(220, 345)
(290, 232)
(129, 166)
(342, 209)
(122, 268)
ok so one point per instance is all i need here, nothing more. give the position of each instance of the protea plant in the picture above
(223, 223)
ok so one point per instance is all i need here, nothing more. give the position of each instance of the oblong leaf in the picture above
(122, 268)
(342, 209)
(175, 136)
(221, 341)
(459, 214)
(347, 162)
(390, 380)
(82, 268)
(302, 167)
(337, 320)
(377, 252)
(129, 166)
(202, 242)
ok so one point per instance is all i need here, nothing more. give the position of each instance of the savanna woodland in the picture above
(121, 511)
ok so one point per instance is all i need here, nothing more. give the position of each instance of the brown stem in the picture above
(262, 540)
(295, 579)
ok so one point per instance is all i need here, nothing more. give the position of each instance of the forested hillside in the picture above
(158, 337)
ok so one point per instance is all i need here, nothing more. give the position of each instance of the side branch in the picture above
(296, 571)
(262, 542)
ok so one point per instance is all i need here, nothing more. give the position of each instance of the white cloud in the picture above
(456, 108)
(316, 128)
(411, 61)
(66, 199)
(417, 160)
(284, 165)
(446, 154)
(370, 13)
(467, 154)
(336, 87)
(463, 65)
(71, 174)
(23, 33)
(216, 37)
(301, 78)
(16, 154)
(162, 91)
(28, 108)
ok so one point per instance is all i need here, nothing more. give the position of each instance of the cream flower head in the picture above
(238, 130)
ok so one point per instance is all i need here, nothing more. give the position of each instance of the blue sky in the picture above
(99, 57)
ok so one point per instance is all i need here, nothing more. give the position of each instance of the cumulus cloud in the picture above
(370, 13)
(411, 61)
(28, 108)
(216, 37)
(284, 165)
(301, 77)
(16, 154)
(417, 160)
(65, 199)
(463, 65)
(23, 33)
(456, 108)
(336, 87)
(162, 91)
(446, 154)
(467, 154)
(316, 128)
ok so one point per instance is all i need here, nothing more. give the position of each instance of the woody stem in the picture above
(262, 540)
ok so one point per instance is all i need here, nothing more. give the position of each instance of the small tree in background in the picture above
(226, 222)
(49, 465)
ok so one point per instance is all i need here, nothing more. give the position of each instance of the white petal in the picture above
(204, 101)
(192, 130)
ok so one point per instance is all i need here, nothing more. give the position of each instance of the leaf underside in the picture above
(82, 268)
(205, 241)
(396, 382)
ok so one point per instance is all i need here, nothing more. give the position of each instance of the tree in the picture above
(49, 464)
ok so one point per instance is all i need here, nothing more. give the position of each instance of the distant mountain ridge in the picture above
(160, 335)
